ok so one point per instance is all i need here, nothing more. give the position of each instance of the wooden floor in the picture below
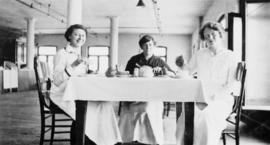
(20, 123)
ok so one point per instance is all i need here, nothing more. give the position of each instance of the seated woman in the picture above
(101, 124)
(216, 68)
(142, 121)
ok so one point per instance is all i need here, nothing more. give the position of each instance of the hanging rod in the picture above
(47, 10)
(157, 15)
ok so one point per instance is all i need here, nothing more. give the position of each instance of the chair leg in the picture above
(168, 108)
(72, 134)
(52, 129)
(224, 138)
(119, 109)
(237, 139)
(164, 110)
(42, 131)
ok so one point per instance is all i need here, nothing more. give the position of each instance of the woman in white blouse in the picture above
(215, 66)
(101, 124)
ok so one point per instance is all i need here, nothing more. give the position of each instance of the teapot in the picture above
(146, 71)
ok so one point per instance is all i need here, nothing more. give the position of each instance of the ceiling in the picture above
(259, 10)
(164, 16)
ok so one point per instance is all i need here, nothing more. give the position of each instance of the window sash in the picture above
(161, 51)
(99, 58)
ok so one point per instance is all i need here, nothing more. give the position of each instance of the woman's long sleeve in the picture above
(60, 75)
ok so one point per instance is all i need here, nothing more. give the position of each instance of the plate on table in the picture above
(93, 75)
(123, 76)
(161, 76)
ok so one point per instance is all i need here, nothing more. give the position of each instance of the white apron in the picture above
(101, 124)
(142, 123)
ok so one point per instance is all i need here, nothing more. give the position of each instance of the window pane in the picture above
(237, 38)
(42, 58)
(98, 51)
(47, 50)
(93, 63)
(160, 51)
(50, 63)
(103, 64)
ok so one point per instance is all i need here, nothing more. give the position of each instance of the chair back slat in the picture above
(241, 98)
(42, 83)
(241, 66)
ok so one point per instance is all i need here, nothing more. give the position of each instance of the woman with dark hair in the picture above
(101, 125)
(216, 68)
(142, 121)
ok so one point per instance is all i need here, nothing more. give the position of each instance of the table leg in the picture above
(178, 109)
(81, 108)
(189, 120)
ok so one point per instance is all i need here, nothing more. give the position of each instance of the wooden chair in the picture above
(168, 106)
(234, 119)
(60, 121)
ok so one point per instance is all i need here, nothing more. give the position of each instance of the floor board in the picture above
(20, 123)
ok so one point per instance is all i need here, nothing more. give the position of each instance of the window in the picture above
(99, 58)
(46, 54)
(161, 51)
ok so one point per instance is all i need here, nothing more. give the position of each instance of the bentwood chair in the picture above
(60, 122)
(233, 120)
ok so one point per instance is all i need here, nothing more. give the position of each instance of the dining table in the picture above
(86, 88)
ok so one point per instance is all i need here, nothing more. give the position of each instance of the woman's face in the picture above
(212, 38)
(148, 48)
(77, 37)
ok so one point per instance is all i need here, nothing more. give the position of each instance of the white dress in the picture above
(101, 124)
(142, 122)
(217, 73)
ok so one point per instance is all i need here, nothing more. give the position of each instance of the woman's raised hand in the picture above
(76, 62)
(79, 61)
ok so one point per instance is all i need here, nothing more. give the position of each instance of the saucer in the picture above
(123, 76)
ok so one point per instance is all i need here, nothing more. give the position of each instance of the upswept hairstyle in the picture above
(214, 26)
(73, 27)
(145, 39)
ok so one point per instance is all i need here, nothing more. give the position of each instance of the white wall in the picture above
(128, 44)
(257, 58)
(220, 7)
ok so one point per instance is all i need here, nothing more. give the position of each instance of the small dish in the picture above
(123, 76)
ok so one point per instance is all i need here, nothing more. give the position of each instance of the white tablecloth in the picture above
(95, 88)
(133, 89)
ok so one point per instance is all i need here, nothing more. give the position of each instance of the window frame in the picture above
(98, 56)
(166, 52)
(47, 56)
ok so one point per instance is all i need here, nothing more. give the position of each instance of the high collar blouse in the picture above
(217, 71)
(63, 59)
